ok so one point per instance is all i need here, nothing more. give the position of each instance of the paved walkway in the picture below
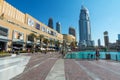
(57, 72)
(38, 67)
(101, 71)
(51, 67)
(12, 66)
(74, 72)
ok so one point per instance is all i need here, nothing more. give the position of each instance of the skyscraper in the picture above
(58, 27)
(72, 31)
(99, 42)
(84, 26)
(106, 38)
(50, 23)
(119, 37)
(118, 42)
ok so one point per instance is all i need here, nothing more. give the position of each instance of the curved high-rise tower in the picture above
(84, 27)
(106, 39)
(58, 27)
(50, 23)
(72, 31)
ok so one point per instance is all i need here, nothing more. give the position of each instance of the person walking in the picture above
(62, 53)
(97, 54)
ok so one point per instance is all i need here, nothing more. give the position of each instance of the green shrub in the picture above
(23, 51)
(2, 54)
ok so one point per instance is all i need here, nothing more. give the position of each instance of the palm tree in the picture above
(2, 16)
(76, 43)
(52, 42)
(73, 44)
(41, 37)
(46, 41)
(32, 37)
(57, 43)
(64, 44)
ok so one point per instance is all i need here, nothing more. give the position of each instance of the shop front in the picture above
(30, 42)
(17, 45)
(3, 38)
(29, 45)
(2, 45)
(18, 41)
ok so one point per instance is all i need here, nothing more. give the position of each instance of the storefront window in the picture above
(30, 38)
(3, 31)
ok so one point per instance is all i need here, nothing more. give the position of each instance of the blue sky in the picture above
(104, 14)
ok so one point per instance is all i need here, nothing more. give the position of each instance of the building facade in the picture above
(118, 36)
(106, 39)
(84, 27)
(67, 40)
(99, 43)
(72, 31)
(15, 28)
(118, 42)
(58, 27)
(50, 23)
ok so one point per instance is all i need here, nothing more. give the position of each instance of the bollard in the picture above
(88, 56)
(116, 58)
(82, 56)
(91, 56)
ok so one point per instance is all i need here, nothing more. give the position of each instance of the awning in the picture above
(4, 40)
(29, 44)
(17, 48)
(42, 48)
(18, 42)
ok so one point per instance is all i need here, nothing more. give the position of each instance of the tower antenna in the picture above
(82, 2)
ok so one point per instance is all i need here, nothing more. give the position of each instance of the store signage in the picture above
(37, 26)
(18, 36)
(3, 37)
(51, 32)
(47, 30)
(3, 31)
(29, 42)
(43, 29)
(38, 41)
(30, 22)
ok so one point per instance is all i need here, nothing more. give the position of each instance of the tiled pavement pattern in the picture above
(37, 73)
(74, 72)
(102, 71)
(38, 57)
(57, 71)
(40, 65)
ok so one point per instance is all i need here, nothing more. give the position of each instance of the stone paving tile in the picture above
(57, 72)
(38, 73)
(102, 72)
(40, 65)
(114, 65)
(74, 72)
(34, 67)
(37, 58)
(34, 60)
